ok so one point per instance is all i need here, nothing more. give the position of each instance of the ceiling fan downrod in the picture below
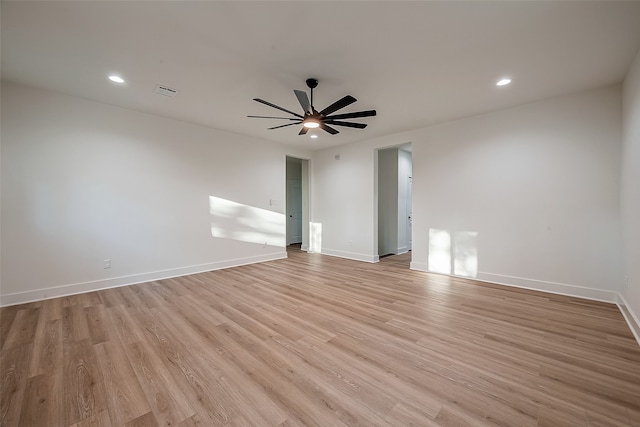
(312, 84)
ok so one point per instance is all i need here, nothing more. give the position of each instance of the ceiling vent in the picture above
(165, 91)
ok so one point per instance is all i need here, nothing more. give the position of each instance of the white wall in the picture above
(343, 201)
(538, 183)
(630, 188)
(84, 181)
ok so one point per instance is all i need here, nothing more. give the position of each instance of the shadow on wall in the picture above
(231, 220)
(453, 253)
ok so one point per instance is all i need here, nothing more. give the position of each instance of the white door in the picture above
(294, 211)
(409, 212)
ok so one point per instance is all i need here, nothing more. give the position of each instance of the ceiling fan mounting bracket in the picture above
(312, 83)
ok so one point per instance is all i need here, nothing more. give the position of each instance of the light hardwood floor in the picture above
(318, 341)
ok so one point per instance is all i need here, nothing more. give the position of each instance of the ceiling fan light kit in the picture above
(310, 123)
(312, 118)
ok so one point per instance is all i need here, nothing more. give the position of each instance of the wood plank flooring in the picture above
(318, 341)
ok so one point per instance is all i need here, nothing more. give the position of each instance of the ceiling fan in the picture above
(312, 118)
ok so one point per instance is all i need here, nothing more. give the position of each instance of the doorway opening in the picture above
(394, 200)
(297, 202)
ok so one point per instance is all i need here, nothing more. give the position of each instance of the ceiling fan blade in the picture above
(347, 124)
(329, 129)
(341, 103)
(262, 101)
(281, 126)
(267, 117)
(368, 113)
(303, 99)
(303, 131)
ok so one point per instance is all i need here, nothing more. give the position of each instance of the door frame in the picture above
(400, 221)
(305, 199)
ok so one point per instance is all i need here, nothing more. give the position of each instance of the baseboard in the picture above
(418, 266)
(630, 317)
(96, 285)
(351, 255)
(535, 285)
(551, 287)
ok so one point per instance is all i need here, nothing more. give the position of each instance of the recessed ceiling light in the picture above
(314, 136)
(503, 82)
(116, 79)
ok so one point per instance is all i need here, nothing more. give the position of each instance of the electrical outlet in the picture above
(106, 264)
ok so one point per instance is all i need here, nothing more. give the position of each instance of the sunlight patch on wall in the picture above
(465, 253)
(315, 237)
(439, 251)
(231, 220)
(457, 254)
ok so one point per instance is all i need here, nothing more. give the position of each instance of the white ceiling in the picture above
(416, 63)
